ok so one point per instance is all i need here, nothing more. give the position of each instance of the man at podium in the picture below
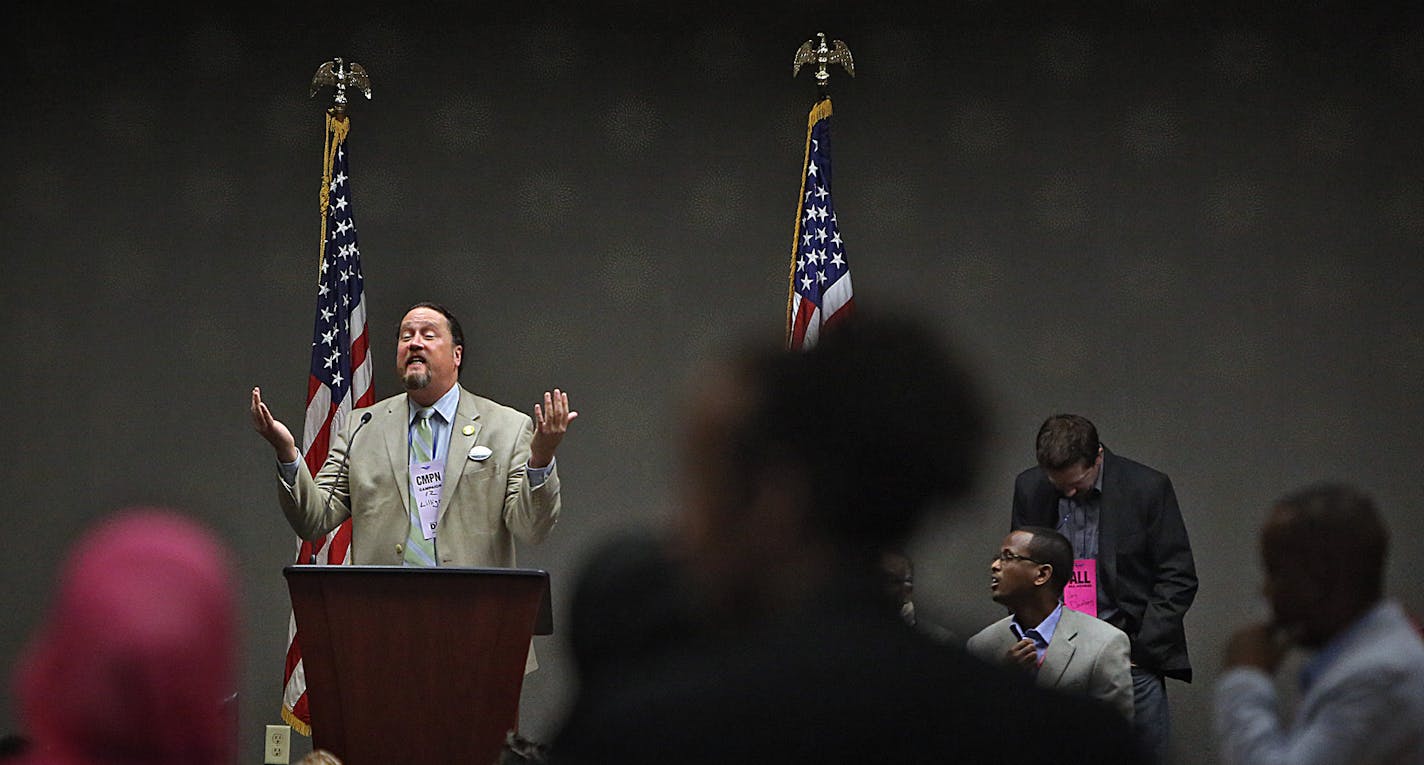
(435, 476)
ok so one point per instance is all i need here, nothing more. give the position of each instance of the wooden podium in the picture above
(419, 665)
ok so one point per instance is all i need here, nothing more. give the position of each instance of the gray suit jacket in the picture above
(484, 505)
(1087, 656)
(1366, 708)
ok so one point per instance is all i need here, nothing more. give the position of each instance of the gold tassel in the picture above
(336, 130)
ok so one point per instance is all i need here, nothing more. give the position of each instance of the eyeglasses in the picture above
(1008, 557)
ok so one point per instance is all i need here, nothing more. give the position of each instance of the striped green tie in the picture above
(419, 551)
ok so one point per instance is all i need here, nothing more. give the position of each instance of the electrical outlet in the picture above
(277, 746)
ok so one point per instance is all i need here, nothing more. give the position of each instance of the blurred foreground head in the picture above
(136, 657)
(1324, 549)
(800, 464)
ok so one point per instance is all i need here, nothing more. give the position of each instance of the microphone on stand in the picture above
(331, 492)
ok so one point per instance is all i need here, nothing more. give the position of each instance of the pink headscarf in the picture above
(137, 656)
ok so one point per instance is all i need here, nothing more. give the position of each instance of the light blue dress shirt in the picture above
(1041, 635)
(440, 426)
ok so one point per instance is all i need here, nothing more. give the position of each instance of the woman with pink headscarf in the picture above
(135, 662)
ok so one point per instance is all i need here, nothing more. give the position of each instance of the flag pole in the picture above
(340, 381)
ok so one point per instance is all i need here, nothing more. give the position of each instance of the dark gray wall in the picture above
(1202, 228)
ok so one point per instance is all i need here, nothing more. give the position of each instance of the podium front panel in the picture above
(414, 664)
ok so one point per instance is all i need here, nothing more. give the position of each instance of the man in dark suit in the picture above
(762, 632)
(1122, 519)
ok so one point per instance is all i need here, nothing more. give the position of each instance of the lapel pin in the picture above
(468, 430)
(479, 453)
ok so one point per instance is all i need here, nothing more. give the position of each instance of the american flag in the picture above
(820, 289)
(340, 378)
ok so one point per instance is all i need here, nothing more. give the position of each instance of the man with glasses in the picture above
(1134, 557)
(1060, 647)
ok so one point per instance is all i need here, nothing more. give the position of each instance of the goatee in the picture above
(415, 380)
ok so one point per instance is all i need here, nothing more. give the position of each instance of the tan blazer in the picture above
(1087, 656)
(484, 505)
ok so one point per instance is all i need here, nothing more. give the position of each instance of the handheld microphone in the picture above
(340, 471)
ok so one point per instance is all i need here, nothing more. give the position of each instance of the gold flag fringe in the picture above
(295, 722)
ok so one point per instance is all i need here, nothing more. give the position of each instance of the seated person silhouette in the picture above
(799, 469)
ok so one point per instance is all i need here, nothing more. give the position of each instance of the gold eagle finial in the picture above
(338, 73)
(817, 52)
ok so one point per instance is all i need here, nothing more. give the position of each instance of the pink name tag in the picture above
(1081, 594)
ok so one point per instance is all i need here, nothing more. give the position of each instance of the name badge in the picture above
(1081, 594)
(425, 482)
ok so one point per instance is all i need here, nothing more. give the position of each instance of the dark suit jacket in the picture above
(1144, 557)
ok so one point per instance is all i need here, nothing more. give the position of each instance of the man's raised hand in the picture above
(273, 430)
(551, 422)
